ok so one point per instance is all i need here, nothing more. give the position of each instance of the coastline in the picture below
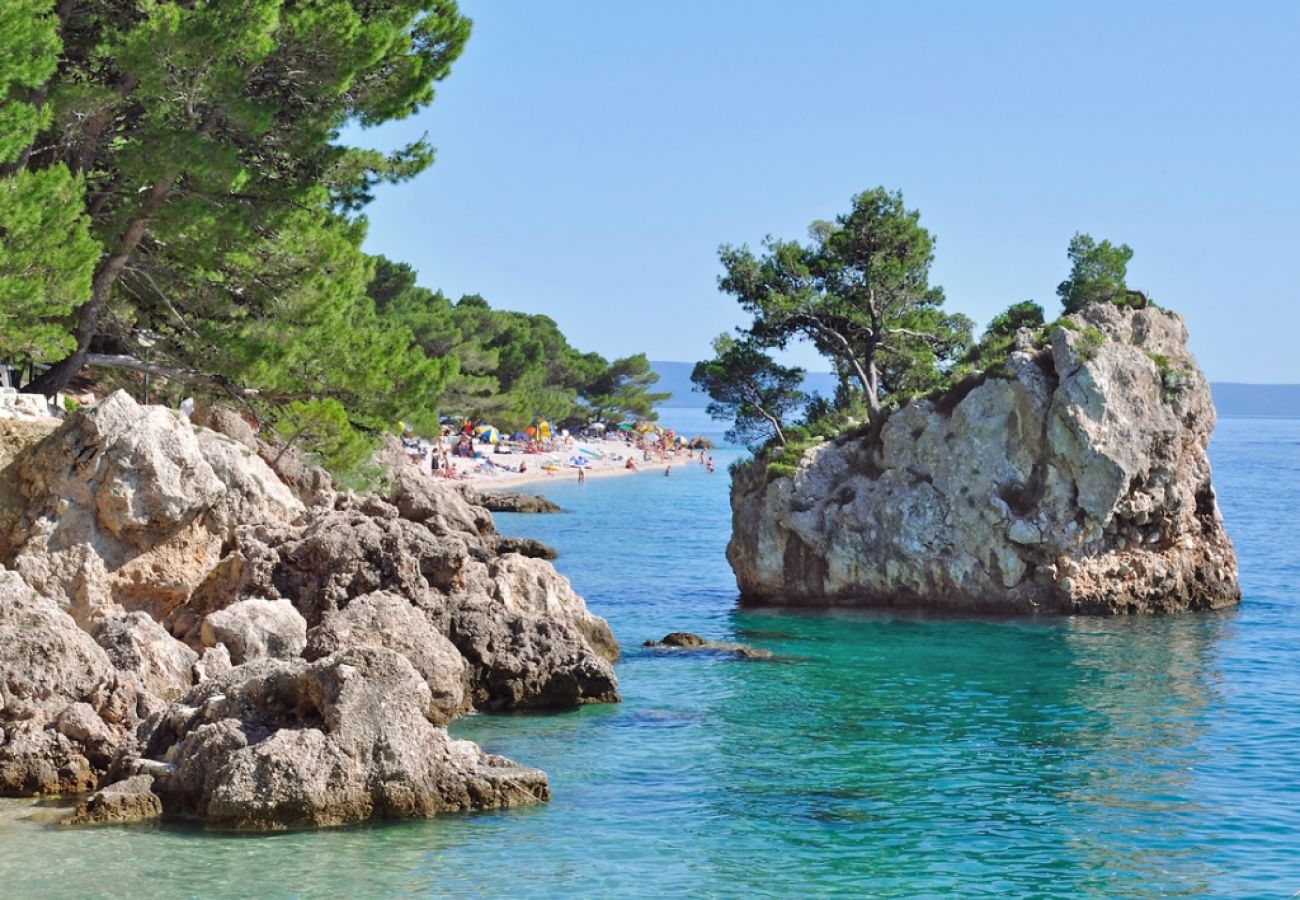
(611, 462)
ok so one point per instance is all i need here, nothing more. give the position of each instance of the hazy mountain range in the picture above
(1230, 398)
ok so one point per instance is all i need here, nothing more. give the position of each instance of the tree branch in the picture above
(122, 361)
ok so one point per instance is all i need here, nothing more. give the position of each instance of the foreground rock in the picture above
(687, 640)
(1073, 480)
(65, 711)
(268, 663)
(278, 744)
(132, 800)
(389, 621)
(127, 508)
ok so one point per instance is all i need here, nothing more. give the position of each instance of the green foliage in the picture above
(996, 343)
(1090, 343)
(860, 292)
(206, 138)
(1097, 273)
(509, 367)
(47, 256)
(324, 427)
(748, 387)
(1173, 381)
(29, 53)
(623, 390)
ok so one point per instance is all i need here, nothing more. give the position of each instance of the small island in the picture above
(1047, 468)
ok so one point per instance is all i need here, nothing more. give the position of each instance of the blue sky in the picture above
(593, 155)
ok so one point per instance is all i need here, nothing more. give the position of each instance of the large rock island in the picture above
(182, 631)
(1071, 478)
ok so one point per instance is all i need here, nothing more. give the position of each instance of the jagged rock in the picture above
(143, 529)
(127, 507)
(277, 744)
(64, 710)
(530, 639)
(137, 644)
(509, 501)
(256, 628)
(442, 508)
(384, 619)
(126, 801)
(226, 421)
(215, 661)
(687, 640)
(1072, 480)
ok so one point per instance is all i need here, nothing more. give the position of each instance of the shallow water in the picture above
(885, 754)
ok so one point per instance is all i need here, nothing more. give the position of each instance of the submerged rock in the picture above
(1072, 480)
(126, 801)
(510, 501)
(687, 640)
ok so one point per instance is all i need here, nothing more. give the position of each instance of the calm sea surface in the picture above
(878, 754)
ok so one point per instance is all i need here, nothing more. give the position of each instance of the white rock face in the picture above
(127, 507)
(256, 629)
(1073, 480)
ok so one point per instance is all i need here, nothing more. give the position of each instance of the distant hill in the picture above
(1234, 399)
(675, 377)
(1230, 398)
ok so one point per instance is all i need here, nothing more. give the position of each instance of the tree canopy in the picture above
(748, 387)
(1097, 274)
(622, 390)
(175, 200)
(860, 292)
(47, 256)
(204, 141)
(509, 367)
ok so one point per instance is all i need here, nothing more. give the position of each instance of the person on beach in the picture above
(631, 464)
(668, 471)
(582, 475)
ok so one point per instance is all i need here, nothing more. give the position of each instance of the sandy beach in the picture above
(601, 458)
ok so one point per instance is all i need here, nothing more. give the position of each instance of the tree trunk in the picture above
(110, 267)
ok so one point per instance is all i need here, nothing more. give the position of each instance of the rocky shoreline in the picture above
(1073, 478)
(195, 624)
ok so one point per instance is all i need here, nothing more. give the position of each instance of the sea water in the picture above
(878, 754)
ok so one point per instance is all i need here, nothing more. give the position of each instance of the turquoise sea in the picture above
(878, 754)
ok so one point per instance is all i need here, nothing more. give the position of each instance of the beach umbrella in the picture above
(530, 431)
(597, 426)
(680, 441)
(518, 436)
(488, 435)
(626, 426)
